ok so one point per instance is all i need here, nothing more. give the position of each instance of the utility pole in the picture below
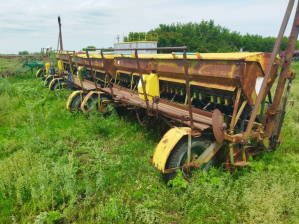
(60, 34)
(117, 38)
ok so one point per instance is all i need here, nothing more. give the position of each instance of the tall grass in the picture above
(59, 167)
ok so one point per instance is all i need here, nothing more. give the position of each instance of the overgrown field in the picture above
(9, 64)
(59, 167)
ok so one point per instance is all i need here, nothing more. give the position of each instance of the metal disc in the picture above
(217, 120)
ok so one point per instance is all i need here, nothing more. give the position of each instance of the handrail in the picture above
(131, 49)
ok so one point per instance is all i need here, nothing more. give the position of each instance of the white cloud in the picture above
(32, 24)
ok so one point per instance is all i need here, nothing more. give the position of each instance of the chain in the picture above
(140, 122)
(156, 100)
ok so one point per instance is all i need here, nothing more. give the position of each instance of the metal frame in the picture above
(261, 132)
(185, 49)
(280, 85)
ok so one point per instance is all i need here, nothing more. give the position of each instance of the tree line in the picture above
(207, 37)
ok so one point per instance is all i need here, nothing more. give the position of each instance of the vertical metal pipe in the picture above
(71, 68)
(107, 73)
(269, 68)
(75, 59)
(61, 62)
(231, 152)
(143, 86)
(60, 34)
(232, 124)
(94, 80)
(188, 89)
(189, 149)
(282, 78)
(243, 153)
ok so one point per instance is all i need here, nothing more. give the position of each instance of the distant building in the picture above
(141, 40)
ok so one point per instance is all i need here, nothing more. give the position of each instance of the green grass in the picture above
(10, 64)
(58, 167)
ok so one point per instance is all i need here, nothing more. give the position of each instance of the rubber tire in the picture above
(180, 150)
(90, 105)
(56, 85)
(49, 81)
(76, 102)
(41, 73)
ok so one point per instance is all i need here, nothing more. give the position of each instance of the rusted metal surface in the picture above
(203, 91)
(218, 127)
(188, 90)
(142, 83)
(270, 118)
(107, 73)
(87, 85)
(60, 33)
(91, 68)
(236, 105)
(71, 69)
(240, 111)
(201, 122)
(269, 68)
(38, 57)
(236, 160)
(215, 74)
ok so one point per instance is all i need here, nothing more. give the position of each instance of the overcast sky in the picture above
(32, 24)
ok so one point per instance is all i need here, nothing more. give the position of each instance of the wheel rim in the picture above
(195, 153)
(92, 104)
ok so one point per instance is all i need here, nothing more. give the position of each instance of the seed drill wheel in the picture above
(59, 85)
(48, 81)
(41, 73)
(237, 159)
(76, 102)
(178, 156)
(93, 102)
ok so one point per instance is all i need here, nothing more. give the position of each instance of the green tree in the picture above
(207, 37)
(84, 49)
(23, 53)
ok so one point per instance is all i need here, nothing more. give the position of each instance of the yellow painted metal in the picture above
(166, 145)
(259, 57)
(60, 65)
(46, 80)
(78, 74)
(87, 97)
(240, 112)
(151, 86)
(248, 56)
(38, 71)
(53, 81)
(69, 100)
(47, 66)
(99, 56)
